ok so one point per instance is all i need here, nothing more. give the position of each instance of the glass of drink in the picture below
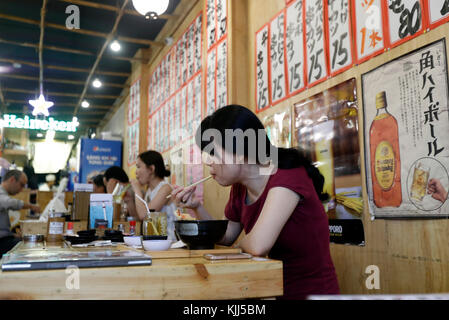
(420, 180)
(155, 224)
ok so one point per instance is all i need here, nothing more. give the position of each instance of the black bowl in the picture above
(87, 233)
(202, 234)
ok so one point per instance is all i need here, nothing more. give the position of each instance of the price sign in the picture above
(369, 35)
(262, 93)
(150, 132)
(405, 20)
(211, 23)
(438, 12)
(190, 51)
(178, 65)
(134, 103)
(295, 47)
(190, 106)
(222, 23)
(198, 97)
(210, 81)
(183, 112)
(184, 58)
(151, 88)
(198, 42)
(340, 37)
(173, 71)
(277, 59)
(315, 42)
(178, 116)
(222, 67)
(171, 121)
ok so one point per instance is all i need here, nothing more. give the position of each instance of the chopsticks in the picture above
(194, 184)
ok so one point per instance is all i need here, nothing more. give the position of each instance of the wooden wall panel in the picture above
(412, 255)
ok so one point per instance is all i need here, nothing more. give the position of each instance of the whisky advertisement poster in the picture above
(326, 130)
(406, 125)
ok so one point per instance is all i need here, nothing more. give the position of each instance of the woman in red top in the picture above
(275, 198)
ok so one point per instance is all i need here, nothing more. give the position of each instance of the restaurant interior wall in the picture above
(412, 255)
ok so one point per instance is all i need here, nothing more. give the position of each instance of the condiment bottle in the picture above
(69, 228)
(55, 227)
(132, 227)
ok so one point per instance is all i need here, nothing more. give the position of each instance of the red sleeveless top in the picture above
(303, 244)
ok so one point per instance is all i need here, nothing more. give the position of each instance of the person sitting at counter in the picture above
(114, 175)
(151, 172)
(275, 198)
(98, 183)
(13, 183)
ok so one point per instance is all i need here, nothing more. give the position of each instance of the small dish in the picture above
(133, 241)
(156, 245)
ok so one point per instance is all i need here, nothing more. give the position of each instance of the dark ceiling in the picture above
(19, 42)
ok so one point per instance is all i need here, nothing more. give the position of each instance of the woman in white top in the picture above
(151, 173)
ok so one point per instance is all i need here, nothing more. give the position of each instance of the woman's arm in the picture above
(277, 209)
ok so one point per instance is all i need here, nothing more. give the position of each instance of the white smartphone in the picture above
(227, 256)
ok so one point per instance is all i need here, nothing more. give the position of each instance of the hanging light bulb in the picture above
(97, 83)
(85, 104)
(115, 46)
(151, 8)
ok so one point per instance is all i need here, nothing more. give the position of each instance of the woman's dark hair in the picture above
(152, 157)
(98, 181)
(116, 173)
(236, 117)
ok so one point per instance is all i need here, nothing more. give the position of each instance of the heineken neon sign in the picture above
(12, 121)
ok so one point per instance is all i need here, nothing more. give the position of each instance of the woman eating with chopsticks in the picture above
(275, 199)
(150, 172)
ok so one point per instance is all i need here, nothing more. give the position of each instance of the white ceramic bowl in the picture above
(156, 245)
(133, 241)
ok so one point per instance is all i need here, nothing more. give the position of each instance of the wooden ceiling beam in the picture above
(100, 55)
(41, 46)
(70, 69)
(74, 82)
(81, 31)
(62, 105)
(112, 8)
(66, 50)
(62, 94)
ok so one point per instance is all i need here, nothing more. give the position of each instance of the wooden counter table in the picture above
(167, 278)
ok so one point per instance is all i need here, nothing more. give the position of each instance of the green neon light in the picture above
(12, 121)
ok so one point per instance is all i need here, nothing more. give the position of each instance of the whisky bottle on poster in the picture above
(385, 157)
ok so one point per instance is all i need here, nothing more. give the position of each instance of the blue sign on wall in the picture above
(98, 155)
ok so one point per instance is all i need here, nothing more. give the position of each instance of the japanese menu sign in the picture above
(294, 47)
(404, 20)
(315, 41)
(262, 93)
(277, 59)
(369, 36)
(133, 122)
(407, 134)
(217, 21)
(326, 130)
(340, 39)
(438, 12)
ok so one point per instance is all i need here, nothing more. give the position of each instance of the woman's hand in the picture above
(185, 197)
(137, 187)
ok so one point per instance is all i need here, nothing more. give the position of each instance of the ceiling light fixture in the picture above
(85, 104)
(39, 135)
(97, 83)
(41, 106)
(115, 46)
(151, 9)
(70, 137)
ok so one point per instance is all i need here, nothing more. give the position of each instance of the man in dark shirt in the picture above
(13, 183)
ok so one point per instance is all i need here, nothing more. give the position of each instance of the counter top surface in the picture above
(185, 278)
